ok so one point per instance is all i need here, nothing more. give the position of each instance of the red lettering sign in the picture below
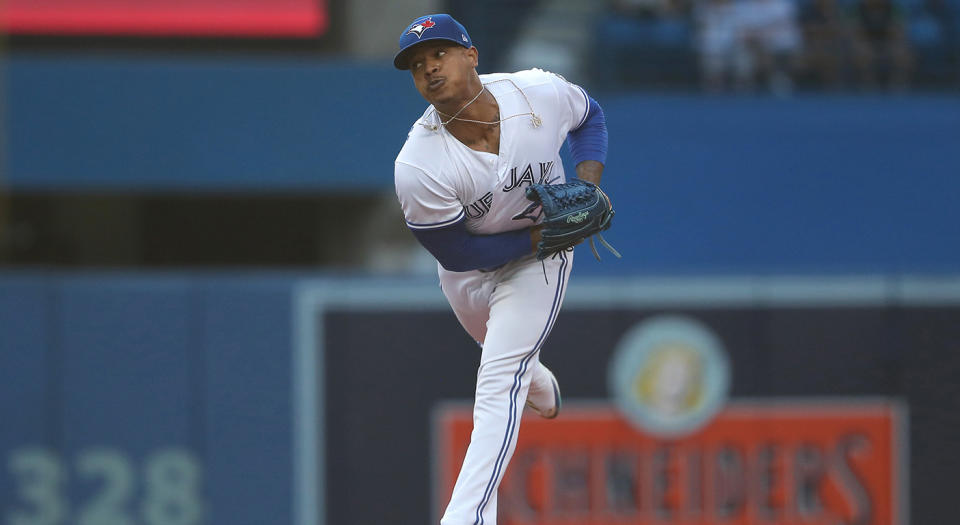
(782, 463)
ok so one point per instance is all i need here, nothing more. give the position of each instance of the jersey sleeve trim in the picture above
(431, 225)
(460, 212)
(586, 111)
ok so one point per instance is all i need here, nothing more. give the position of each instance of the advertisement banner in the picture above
(714, 402)
(776, 461)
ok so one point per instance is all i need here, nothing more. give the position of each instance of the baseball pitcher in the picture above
(483, 189)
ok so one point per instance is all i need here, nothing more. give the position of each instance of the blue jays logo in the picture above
(420, 26)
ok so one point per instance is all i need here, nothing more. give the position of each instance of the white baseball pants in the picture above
(510, 311)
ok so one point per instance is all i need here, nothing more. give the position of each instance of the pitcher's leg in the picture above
(469, 296)
(523, 308)
(544, 394)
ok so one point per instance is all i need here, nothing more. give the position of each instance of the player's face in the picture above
(441, 71)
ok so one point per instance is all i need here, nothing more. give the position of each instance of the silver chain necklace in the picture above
(534, 119)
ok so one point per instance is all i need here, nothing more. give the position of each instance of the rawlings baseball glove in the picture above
(572, 212)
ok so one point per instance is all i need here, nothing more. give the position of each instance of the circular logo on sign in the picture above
(669, 375)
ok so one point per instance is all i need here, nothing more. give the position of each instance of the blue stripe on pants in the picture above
(515, 389)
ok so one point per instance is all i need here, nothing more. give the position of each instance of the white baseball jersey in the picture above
(439, 180)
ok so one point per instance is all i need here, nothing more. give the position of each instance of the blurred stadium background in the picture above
(211, 311)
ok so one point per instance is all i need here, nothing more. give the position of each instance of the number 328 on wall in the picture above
(170, 483)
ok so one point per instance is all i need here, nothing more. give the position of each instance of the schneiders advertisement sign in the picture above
(783, 462)
(670, 448)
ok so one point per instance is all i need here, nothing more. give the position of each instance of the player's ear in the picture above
(474, 56)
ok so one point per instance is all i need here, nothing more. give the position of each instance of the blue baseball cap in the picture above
(430, 27)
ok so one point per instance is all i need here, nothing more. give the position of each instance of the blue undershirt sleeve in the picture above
(589, 141)
(458, 250)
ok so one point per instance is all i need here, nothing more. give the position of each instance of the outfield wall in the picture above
(206, 398)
